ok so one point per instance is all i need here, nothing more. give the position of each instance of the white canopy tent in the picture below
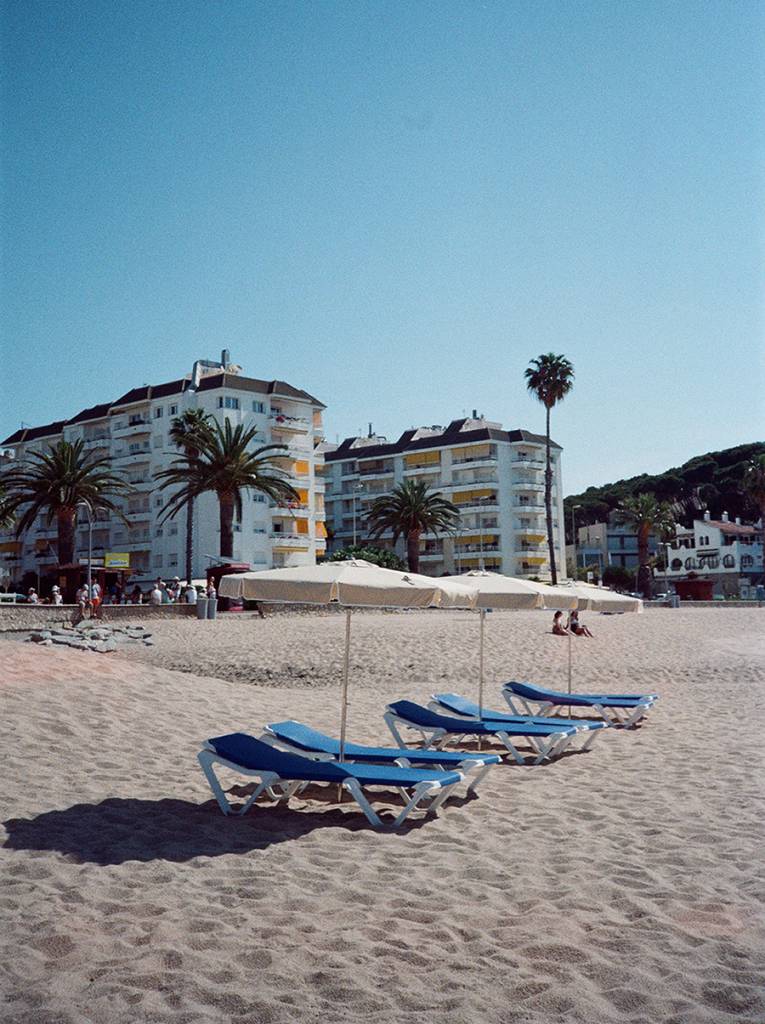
(353, 584)
(495, 591)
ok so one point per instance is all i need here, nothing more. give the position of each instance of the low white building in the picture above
(728, 553)
(494, 476)
(133, 431)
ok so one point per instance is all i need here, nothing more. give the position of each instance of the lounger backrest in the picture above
(304, 736)
(251, 753)
(419, 715)
(459, 704)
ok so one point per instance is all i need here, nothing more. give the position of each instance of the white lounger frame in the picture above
(435, 737)
(470, 767)
(624, 717)
(427, 796)
(593, 733)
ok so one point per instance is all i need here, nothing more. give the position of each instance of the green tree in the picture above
(410, 510)
(186, 433)
(53, 483)
(754, 483)
(618, 577)
(226, 467)
(549, 378)
(648, 516)
(377, 556)
(7, 517)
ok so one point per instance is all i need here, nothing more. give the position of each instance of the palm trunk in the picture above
(413, 550)
(548, 502)
(189, 538)
(226, 508)
(65, 520)
(644, 570)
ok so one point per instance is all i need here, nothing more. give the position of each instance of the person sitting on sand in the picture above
(576, 626)
(558, 628)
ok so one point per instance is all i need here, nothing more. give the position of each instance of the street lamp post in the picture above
(356, 488)
(86, 505)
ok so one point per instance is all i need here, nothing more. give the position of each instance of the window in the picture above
(158, 413)
(158, 502)
(173, 531)
(729, 561)
(228, 402)
(259, 498)
(258, 407)
(158, 532)
(676, 565)
(173, 410)
(747, 561)
(173, 560)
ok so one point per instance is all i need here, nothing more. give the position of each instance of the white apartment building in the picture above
(494, 476)
(728, 553)
(134, 430)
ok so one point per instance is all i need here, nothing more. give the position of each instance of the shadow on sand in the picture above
(118, 829)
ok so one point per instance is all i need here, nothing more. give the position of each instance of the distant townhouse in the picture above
(609, 543)
(133, 431)
(494, 476)
(728, 553)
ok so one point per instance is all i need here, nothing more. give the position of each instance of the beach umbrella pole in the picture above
(346, 663)
(569, 667)
(482, 617)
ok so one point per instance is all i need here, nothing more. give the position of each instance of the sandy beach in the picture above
(621, 886)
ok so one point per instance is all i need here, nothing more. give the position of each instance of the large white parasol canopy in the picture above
(496, 591)
(354, 584)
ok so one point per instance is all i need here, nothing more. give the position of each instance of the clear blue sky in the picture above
(394, 206)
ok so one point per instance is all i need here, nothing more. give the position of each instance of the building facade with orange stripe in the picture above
(494, 476)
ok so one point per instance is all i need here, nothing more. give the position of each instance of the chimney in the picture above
(370, 431)
(196, 375)
(725, 517)
(225, 358)
(707, 516)
(475, 414)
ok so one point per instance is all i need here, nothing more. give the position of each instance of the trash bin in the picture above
(212, 607)
(202, 608)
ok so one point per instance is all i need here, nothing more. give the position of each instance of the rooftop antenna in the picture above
(370, 431)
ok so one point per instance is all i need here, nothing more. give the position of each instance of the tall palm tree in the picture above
(648, 516)
(226, 467)
(409, 510)
(550, 378)
(754, 483)
(54, 482)
(6, 516)
(186, 432)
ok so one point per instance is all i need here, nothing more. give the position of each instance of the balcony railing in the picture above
(477, 502)
(534, 463)
(528, 485)
(532, 506)
(463, 548)
(474, 458)
(472, 481)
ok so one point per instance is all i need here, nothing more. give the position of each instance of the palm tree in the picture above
(6, 516)
(53, 483)
(648, 516)
(754, 483)
(409, 510)
(226, 467)
(550, 378)
(186, 432)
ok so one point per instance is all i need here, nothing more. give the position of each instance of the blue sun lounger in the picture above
(547, 741)
(616, 709)
(283, 774)
(461, 707)
(304, 740)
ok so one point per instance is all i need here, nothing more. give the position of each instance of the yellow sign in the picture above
(116, 559)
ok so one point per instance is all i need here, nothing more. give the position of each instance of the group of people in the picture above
(160, 593)
(572, 626)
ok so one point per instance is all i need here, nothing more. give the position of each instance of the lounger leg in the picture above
(519, 758)
(390, 721)
(356, 792)
(636, 715)
(477, 778)
(594, 733)
(206, 760)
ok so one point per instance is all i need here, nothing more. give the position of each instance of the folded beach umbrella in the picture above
(495, 591)
(354, 584)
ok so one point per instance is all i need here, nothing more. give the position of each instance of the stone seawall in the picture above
(20, 617)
